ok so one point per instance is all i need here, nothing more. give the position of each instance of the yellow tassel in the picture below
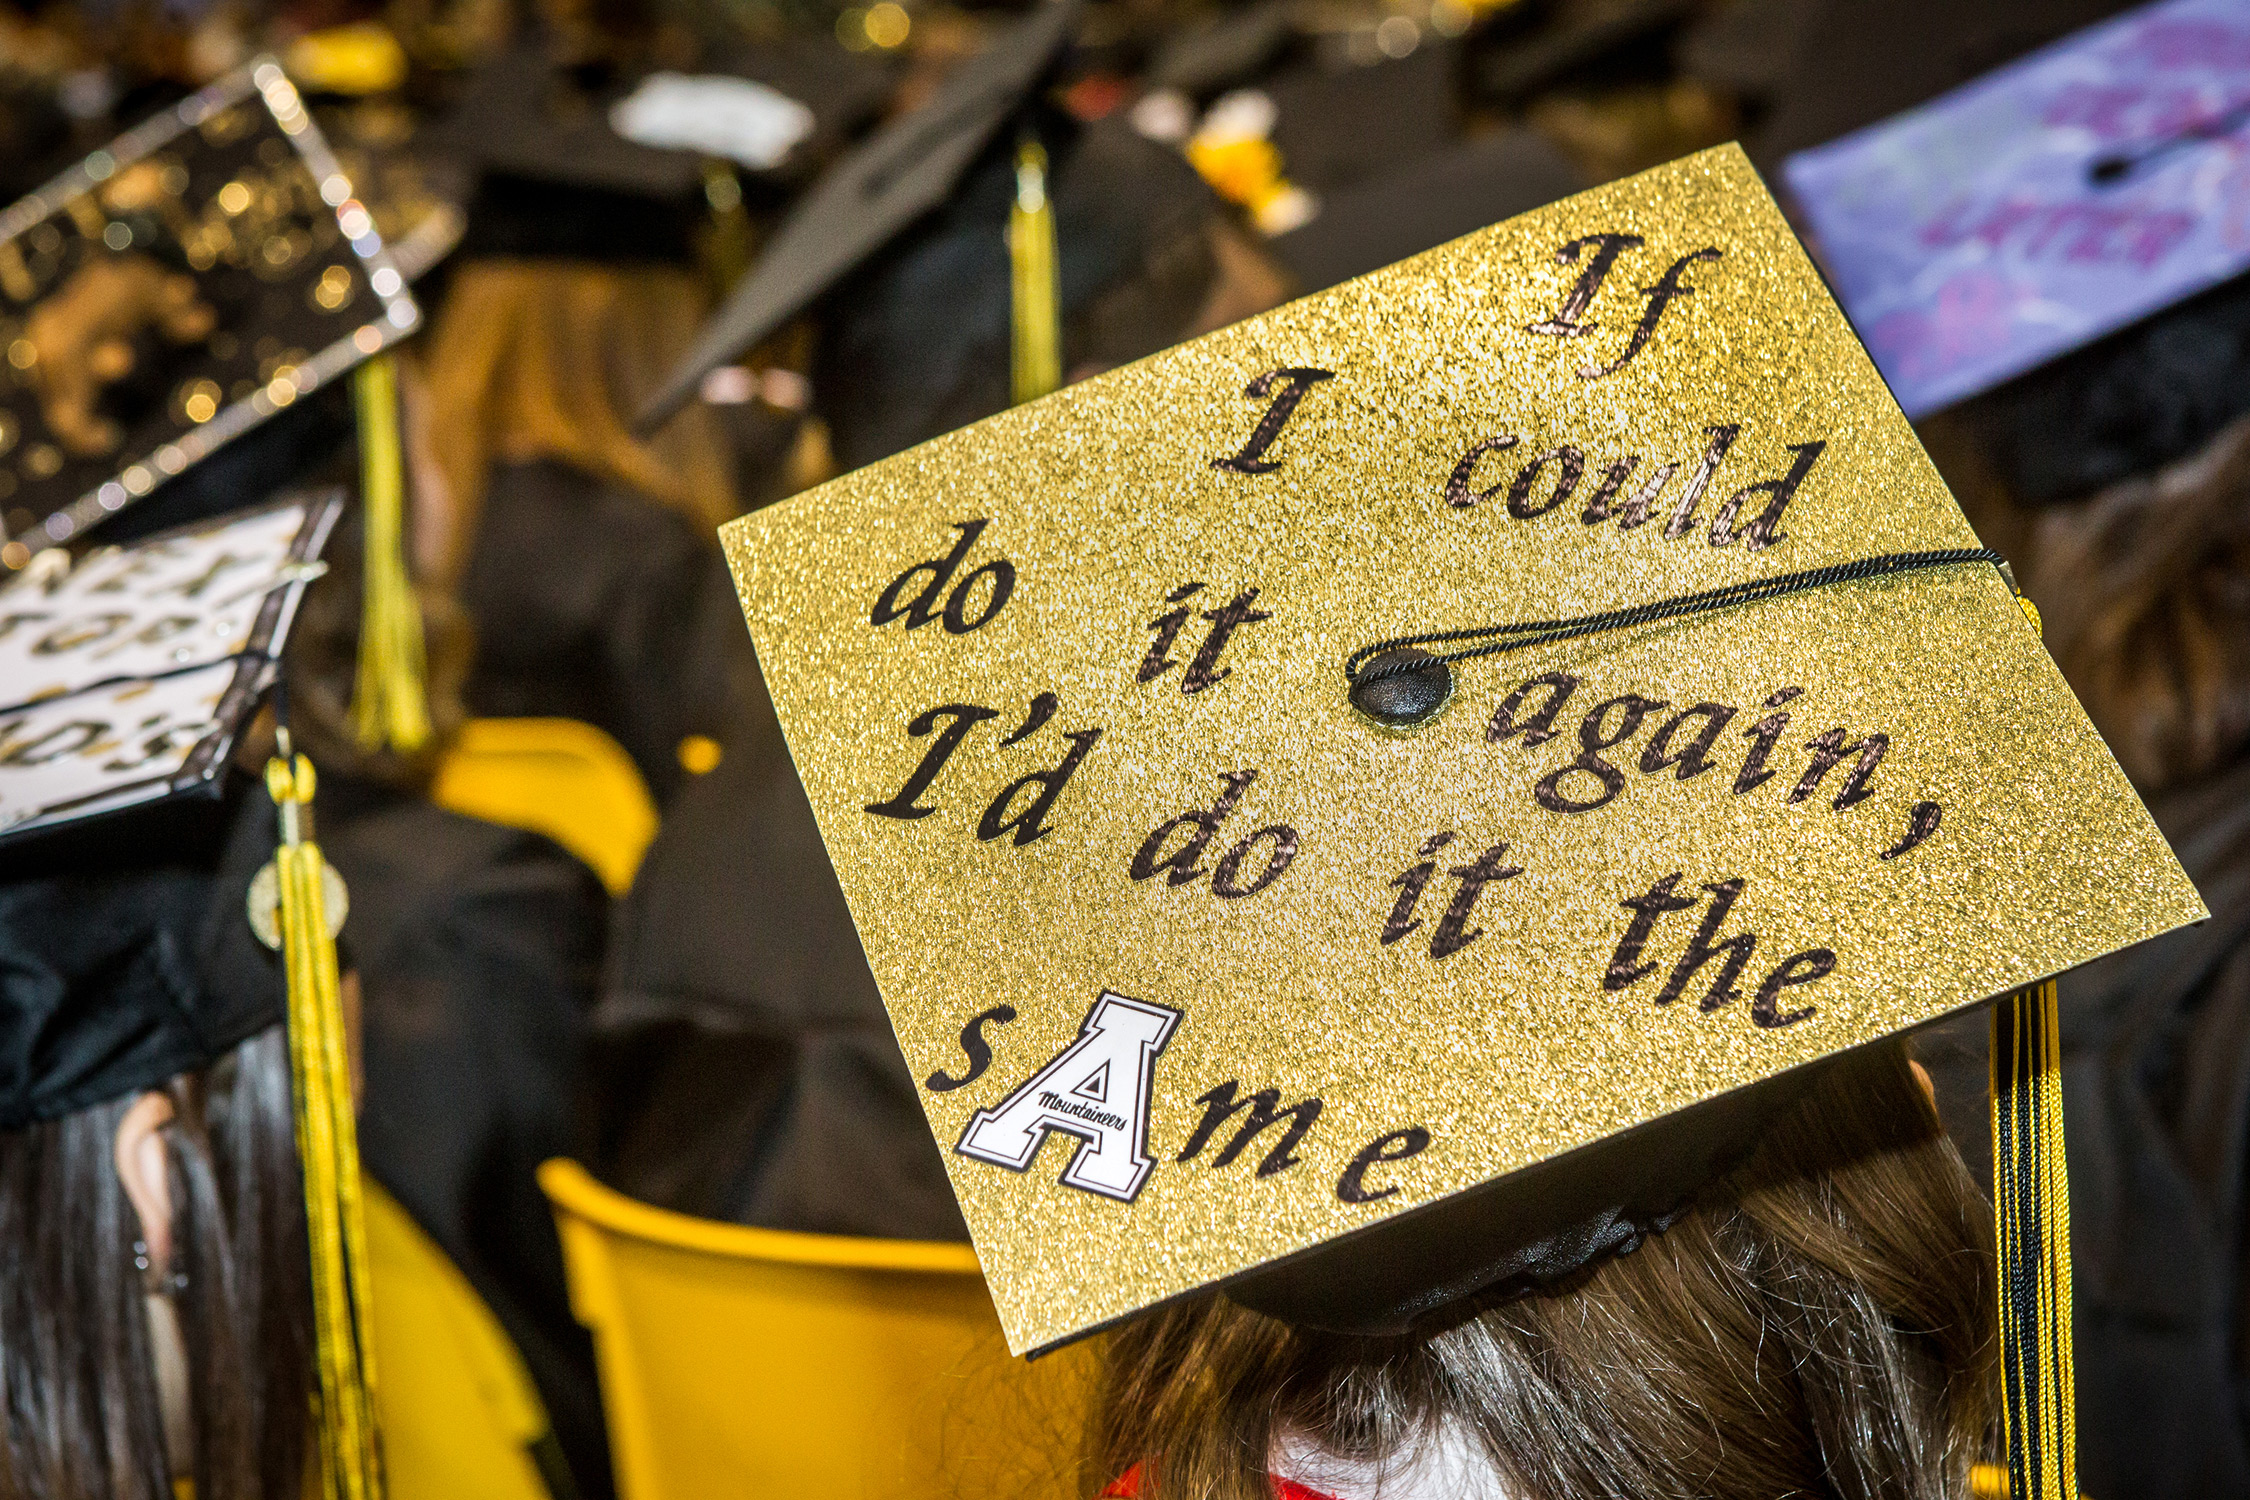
(1036, 317)
(327, 1144)
(389, 707)
(2031, 1202)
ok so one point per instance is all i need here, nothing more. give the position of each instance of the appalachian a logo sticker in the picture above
(1096, 1089)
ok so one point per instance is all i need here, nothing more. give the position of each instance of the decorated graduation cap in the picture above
(153, 915)
(180, 286)
(1375, 805)
(2064, 234)
(174, 289)
(907, 169)
(131, 673)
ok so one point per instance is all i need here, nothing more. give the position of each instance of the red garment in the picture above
(1127, 1486)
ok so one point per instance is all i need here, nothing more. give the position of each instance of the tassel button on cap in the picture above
(1404, 700)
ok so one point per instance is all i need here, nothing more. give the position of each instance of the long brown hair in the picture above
(83, 1418)
(548, 359)
(1820, 1324)
(2146, 592)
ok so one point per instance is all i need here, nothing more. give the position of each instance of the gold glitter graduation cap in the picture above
(1225, 928)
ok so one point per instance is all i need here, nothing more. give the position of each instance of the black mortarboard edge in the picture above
(261, 80)
(131, 749)
(874, 193)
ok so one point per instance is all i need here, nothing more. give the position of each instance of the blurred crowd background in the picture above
(695, 1023)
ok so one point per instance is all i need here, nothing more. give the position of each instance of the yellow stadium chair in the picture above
(773, 1366)
(558, 777)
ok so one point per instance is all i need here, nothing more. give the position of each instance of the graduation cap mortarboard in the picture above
(1338, 127)
(1860, 61)
(552, 176)
(174, 289)
(1240, 944)
(876, 191)
(1224, 52)
(131, 674)
(842, 90)
(117, 975)
(917, 340)
(2039, 209)
(1433, 198)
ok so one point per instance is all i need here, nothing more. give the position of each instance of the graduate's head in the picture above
(581, 280)
(155, 1314)
(1818, 1321)
(545, 357)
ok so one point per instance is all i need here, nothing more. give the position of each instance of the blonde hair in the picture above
(548, 359)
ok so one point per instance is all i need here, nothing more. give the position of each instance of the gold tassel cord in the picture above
(2031, 1201)
(1035, 310)
(390, 709)
(327, 1143)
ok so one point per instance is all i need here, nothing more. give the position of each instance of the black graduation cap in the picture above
(175, 289)
(550, 175)
(1336, 127)
(1864, 60)
(843, 90)
(126, 955)
(119, 973)
(1226, 51)
(878, 190)
(590, 164)
(1437, 197)
(131, 673)
(917, 341)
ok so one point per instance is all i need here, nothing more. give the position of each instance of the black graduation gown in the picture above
(595, 603)
(478, 949)
(744, 1067)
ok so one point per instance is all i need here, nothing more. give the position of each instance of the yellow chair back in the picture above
(558, 777)
(459, 1414)
(752, 1362)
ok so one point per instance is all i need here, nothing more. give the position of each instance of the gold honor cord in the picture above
(389, 706)
(328, 1144)
(1035, 322)
(2031, 1200)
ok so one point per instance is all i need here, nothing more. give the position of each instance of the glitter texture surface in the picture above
(1104, 500)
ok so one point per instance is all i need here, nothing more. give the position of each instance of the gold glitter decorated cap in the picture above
(1420, 772)
(176, 288)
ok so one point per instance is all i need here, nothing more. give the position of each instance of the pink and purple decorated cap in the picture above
(2043, 206)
